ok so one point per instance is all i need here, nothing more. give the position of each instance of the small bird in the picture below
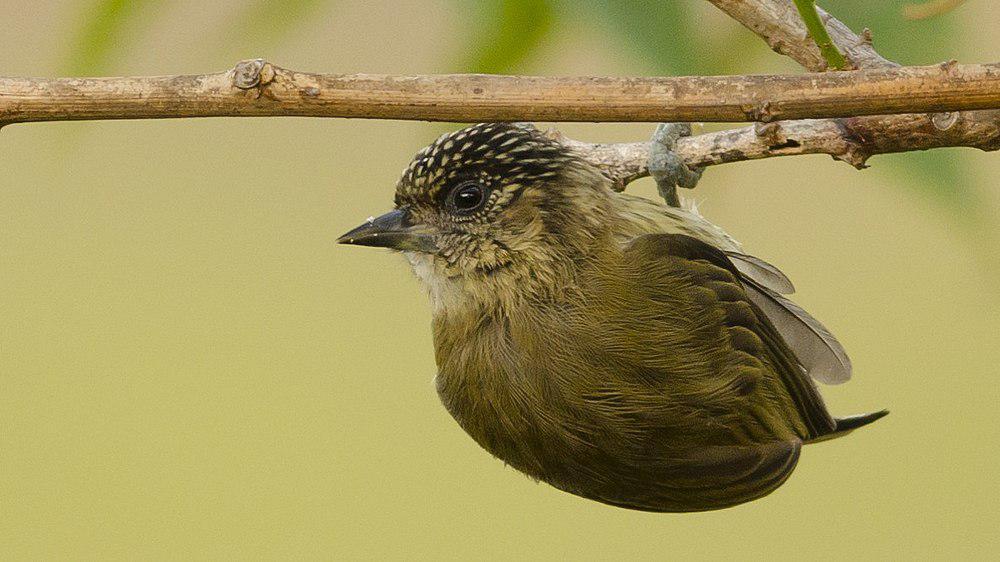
(615, 347)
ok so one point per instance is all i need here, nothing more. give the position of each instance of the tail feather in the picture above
(850, 423)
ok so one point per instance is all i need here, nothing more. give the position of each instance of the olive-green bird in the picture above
(615, 347)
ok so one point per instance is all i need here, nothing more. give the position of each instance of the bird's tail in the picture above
(849, 424)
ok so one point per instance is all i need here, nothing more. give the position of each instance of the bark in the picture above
(257, 88)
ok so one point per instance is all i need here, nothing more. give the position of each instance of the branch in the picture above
(852, 140)
(258, 88)
(778, 23)
(810, 17)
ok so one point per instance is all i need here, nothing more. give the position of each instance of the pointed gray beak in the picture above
(391, 230)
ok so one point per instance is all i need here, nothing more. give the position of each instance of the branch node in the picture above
(815, 21)
(770, 132)
(865, 39)
(252, 73)
(773, 135)
(758, 112)
(946, 120)
(948, 66)
(853, 154)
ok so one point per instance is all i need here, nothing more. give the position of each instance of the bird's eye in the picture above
(467, 198)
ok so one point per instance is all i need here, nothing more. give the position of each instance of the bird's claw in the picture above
(666, 167)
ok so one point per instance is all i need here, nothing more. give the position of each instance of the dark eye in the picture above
(467, 198)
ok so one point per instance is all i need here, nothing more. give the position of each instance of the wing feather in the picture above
(817, 349)
(762, 272)
(690, 257)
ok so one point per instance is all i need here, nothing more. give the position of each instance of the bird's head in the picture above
(492, 202)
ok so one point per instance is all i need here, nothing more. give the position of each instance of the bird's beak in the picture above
(392, 230)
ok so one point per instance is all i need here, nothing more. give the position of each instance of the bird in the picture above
(615, 347)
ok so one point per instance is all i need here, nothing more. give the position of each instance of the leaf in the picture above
(99, 39)
(507, 32)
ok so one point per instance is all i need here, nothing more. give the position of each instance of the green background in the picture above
(191, 368)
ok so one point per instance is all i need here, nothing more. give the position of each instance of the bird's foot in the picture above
(666, 167)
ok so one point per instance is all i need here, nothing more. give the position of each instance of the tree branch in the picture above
(257, 88)
(817, 30)
(852, 140)
(778, 24)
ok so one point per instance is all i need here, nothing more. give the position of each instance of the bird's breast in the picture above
(521, 385)
(483, 383)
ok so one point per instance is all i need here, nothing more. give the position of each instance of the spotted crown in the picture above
(498, 154)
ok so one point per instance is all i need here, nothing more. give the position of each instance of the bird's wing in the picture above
(762, 272)
(818, 350)
(682, 271)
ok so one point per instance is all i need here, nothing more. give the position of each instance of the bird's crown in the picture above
(510, 155)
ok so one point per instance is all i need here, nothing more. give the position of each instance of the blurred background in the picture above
(191, 368)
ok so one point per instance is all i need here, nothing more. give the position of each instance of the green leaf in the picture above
(100, 37)
(507, 32)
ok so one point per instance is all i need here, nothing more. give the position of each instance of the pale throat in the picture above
(445, 291)
(505, 289)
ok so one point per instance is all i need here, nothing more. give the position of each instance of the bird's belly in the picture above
(615, 461)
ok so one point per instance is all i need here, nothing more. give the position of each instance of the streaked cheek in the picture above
(522, 229)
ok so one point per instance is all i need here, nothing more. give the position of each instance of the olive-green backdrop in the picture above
(191, 368)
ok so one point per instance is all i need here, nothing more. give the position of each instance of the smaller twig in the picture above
(852, 140)
(834, 58)
(929, 9)
(780, 25)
